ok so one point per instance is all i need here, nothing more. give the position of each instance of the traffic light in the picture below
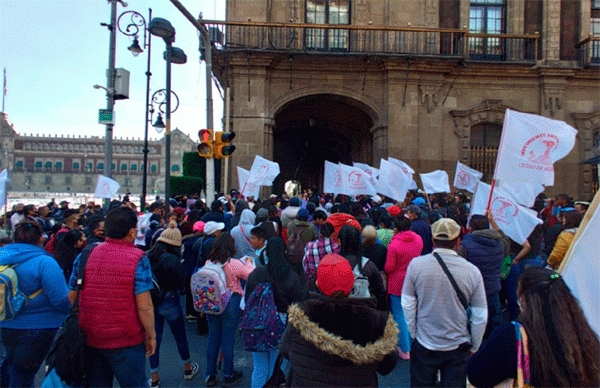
(223, 148)
(206, 146)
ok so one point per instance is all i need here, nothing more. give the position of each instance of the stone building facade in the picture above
(71, 164)
(426, 81)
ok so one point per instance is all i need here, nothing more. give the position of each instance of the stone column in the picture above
(380, 144)
(551, 23)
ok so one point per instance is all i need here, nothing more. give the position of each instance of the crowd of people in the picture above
(361, 284)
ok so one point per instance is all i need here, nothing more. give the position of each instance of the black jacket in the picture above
(285, 291)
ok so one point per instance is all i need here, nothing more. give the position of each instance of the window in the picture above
(112, 166)
(58, 166)
(38, 164)
(175, 167)
(68, 180)
(100, 166)
(48, 180)
(485, 139)
(124, 166)
(327, 12)
(75, 166)
(90, 166)
(133, 167)
(486, 17)
(595, 20)
(19, 164)
(88, 180)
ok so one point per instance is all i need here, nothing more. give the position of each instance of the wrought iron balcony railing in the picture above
(589, 51)
(347, 39)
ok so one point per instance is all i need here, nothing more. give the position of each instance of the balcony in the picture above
(368, 40)
(589, 51)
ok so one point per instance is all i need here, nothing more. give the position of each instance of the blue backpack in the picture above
(261, 325)
(11, 298)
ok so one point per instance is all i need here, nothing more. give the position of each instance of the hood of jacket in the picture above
(492, 234)
(406, 237)
(247, 217)
(290, 212)
(18, 252)
(366, 336)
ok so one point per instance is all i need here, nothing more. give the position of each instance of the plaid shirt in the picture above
(314, 252)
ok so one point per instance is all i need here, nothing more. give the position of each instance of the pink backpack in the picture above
(209, 288)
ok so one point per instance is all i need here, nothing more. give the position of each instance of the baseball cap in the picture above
(414, 209)
(211, 227)
(445, 229)
(334, 274)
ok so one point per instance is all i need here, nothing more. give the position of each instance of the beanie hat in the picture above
(394, 210)
(295, 201)
(199, 226)
(302, 215)
(334, 274)
(262, 214)
(171, 235)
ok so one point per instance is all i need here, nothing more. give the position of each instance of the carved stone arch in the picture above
(489, 111)
(362, 101)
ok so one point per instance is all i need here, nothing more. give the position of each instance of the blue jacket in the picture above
(485, 249)
(422, 228)
(37, 270)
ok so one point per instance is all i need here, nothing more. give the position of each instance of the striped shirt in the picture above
(433, 312)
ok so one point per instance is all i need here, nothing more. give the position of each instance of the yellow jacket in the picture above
(563, 242)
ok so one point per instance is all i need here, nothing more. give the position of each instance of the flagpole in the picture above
(427, 197)
(491, 193)
(4, 91)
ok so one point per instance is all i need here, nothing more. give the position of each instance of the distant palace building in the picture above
(70, 164)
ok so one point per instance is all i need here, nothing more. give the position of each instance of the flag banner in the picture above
(332, 178)
(372, 171)
(516, 221)
(580, 269)
(3, 180)
(106, 187)
(524, 193)
(529, 147)
(263, 171)
(413, 185)
(435, 182)
(355, 181)
(405, 167)
(465, 178)
(393, 182)
(251, 188)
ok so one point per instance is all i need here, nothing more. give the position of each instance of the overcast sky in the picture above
(55, 51)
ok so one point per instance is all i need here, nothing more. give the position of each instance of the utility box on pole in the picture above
(121, 84)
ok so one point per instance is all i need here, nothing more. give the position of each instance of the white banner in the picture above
(466, 178)
(581, 270)
(251, 188)
(516, 221)
(435, 182)
(3, 180)
(106, 187)
(332, 178)
(372, 171)
(529, 147)
(405, 167)
(262, 173)
(393, 182)
(355, 181)
(522, 192)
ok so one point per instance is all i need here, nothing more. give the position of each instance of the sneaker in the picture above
(190, 374)
(154, 384)
(211, 381)
(231, 380)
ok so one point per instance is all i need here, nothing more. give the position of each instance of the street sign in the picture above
(106, 116)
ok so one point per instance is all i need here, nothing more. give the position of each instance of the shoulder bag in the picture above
(461, 296)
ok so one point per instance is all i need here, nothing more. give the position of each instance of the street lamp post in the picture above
(163, 29)
(137, 21)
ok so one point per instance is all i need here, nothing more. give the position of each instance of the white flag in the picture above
(405, 167)
(372, 171)
(251, 188)
(393, 182)
(581, 270)
(529, 146)
(263, 171)
(106, 187)
(332, 178)
(3, 180)
(524, 193)
(465, 178)
(435, 182)
(355, 181)
(516, 221)
(413, 185)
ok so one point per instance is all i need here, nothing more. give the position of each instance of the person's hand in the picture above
(150, 346)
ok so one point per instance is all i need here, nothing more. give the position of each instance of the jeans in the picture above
(263, 363)
(221, 334)
(425, 364)
(25, 351)
(511, 283)
(171, 311)
(495, 318)
(403, 336)
(128, 365)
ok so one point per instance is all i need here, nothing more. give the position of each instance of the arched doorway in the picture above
(315, 128)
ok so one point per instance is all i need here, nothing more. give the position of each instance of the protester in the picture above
(212, 230)
(240, 206)
(299, 233)
(118, 326)
(241, 234)
(96, 230)
(289, 213)
(27, 338)
(189, 259)
(571, 221)
(371, 249)
(560, 347)
(166, 265)
(436, 317)
(258, 239)
(324, 350)
(286, 290)
(420, 227)
(486, 249)
(72, 219)
(317, 249)
(68, 249)
(223, 328)
(385, 232)
(405, 246)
